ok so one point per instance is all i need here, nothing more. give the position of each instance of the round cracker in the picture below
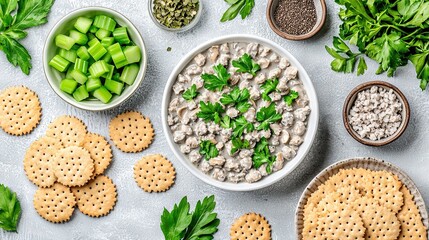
(97, 198)
(250, 226)
(55, 204)
(73, 166)
(154, 173)
(131, 132)
(100, 152)
(412, 226)
(386, 189)
(342, 196)
(71, 131)
(20, 110)
(38, 161)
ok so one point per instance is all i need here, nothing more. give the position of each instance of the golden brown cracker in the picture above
(97, 198)
(131, 132)
(250, 226)
(412, 226)
(73, 166)
(55, 204)
(20, 110)
(154, 173)
(100, 152)
(39, 161)
(70, 130)
(342, 196)
(357, 177)
(385, 188)
(311, 229)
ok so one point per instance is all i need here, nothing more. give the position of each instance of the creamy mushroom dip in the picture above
(238, 111)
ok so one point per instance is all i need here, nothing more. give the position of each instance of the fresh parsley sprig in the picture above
(240, 125)
(268, 87)
(10, 209)
(267, 116)
(210, 112)
(238, 143)
(245, 64)
(345, 59)
(238, 98)
(190, 93)
(290, 97)
(244, 7)
(217, 81)
(225, 122)
(263, 155)
(208, 149)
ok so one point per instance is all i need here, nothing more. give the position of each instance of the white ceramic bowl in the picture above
(290, 165)
(50, 50)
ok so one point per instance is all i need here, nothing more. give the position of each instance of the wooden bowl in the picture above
(350, 101)
(321, 17)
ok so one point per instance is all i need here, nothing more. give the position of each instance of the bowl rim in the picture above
(309, 136)
(292, 37)
(351, 97)
(143, 66)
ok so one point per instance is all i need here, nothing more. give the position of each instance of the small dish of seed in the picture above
(175, 15)
(296, 19)
(376, 113)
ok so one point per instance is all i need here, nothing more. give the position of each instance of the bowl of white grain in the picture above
(376, 113)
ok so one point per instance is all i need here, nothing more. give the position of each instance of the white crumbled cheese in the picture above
(376, 113)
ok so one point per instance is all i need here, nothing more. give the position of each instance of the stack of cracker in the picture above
(67, 165)
(362, 204)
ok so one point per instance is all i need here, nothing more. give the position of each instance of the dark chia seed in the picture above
(295, 17)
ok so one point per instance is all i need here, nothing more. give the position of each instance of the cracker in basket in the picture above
(97, 198)
(357, 177)
(20, 110)
(100, 152)
(342, 196)
(385, 188)
(412, 226)
(250, 226)
(311, 229)
(341, 222)
(71, 131)
(131, 132)
(73, 166)
(38, 161)
(55, 204)
(154, 173)
(381, 223)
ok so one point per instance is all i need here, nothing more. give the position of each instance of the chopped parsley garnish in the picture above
(238, 98)
(210, 112)
(268, 87)
(245, 64)
(191, 93)
(263, 155)
(225, 122)
(266, 116)
(216, 82)
(240, 125)
(238, 143)
(290, 97)
(208, 149)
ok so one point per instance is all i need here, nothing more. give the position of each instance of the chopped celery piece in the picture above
(114, 86)
(69, 55)
(68, 85)
(83, 53)
(80, 94)
(93, 29)
(83, 24)
(81, 65)
(107, 41)
(101, 33)
(92, 84)
(59, 63)
(78, 76)
(96, 50)
(64, 42)
(105, 22)
(90, 36)
(98, 68)
(109, 74)
(78, 37)
(117, 55)
(71, 67)
(133, 54)
(102, 94)
(129, 74)
(107, 58)
(116, 76)
(121, 35)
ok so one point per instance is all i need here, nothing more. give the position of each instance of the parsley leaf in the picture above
(263, 155)
(191, 93)
(208, 149)
(10, 209)
(226, 122)
(244, 7)
(266, 116)
(245, 64)
(218, 81)
(237, 97)
(210, 112)
(290, 97)
(238, 143)
(268, 87)
(240, 125)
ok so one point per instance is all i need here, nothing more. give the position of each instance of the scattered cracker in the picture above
(381, 223)
(250, 226)
(100, 152)
(154, 173)
(55, 204)
(97, 198)
(131, 132)
(73, 166)
(71, 131)
(412, 226)
(38, 161)
(341, 222)
(20, 110)
(385, 188)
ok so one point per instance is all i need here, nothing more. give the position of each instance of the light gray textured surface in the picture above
(137, 214)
